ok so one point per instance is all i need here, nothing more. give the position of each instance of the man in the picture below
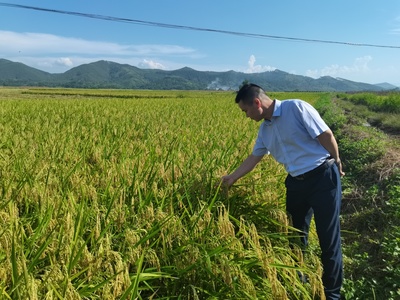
(296, 136)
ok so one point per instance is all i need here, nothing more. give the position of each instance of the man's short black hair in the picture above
(248, 92)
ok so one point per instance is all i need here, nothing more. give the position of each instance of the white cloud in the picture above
(360, 66)
(50, 63)
(150, 64)
(41, 43)
(64, 61)
(396, 30)
(54, 53)
(253, 68)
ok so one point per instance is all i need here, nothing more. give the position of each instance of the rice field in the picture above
(110, 194)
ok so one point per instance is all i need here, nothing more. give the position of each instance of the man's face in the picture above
(252, 111)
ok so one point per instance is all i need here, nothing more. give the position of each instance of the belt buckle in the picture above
(300, 177)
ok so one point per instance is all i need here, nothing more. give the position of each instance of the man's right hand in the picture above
(227, 180)
(247, 165)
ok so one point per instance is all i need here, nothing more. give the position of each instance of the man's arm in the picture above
(328, 141)
(247, 165)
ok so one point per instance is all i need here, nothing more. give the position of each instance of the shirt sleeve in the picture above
(312, 120)
(259, 148)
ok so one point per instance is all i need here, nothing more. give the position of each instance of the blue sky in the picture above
(58, 42)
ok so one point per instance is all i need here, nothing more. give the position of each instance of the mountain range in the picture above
(107, 74)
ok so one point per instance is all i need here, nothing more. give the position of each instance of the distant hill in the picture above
(106, 74)
(387, 86)
(17, 74)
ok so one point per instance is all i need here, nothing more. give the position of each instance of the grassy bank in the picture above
(371, 196)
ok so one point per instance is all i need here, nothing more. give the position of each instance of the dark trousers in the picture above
(321, 195)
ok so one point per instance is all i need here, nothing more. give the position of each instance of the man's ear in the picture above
(257, 102)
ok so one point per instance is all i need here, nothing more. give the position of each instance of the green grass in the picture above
(115, 195)
(370, 206)
(379, 110)
(379, 102)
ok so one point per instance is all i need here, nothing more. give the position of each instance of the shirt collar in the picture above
(276, 113)
(277, 108)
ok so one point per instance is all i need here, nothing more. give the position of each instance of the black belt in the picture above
(322, 167)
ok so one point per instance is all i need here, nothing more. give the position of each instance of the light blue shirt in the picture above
(291, 136)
